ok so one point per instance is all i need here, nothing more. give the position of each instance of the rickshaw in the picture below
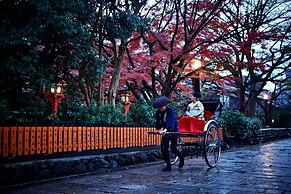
(200, 137)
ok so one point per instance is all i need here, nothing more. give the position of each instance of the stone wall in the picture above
(269, 134)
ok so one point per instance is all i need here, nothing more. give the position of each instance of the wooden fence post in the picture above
(84, 138)
(60, 138)
(88, 131)
(50, 139)
(55, 139)
(32, 140)
(13, 144)
(19, 141)
(96, 140)
(111, 137)
(38, 140)
(121, 136)
(26, 140)
(100, 139)
(6, 142)
(79, 130)
(44, 139)
(118, 137)
(115, 141)
(75, 138)
(70, 138)
(65, 142)
(92, 132)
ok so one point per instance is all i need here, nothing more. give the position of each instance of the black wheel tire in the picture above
(212, 144)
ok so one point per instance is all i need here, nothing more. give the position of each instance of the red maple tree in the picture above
(257, 52)
(180, 32)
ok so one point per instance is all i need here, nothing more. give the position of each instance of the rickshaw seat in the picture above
(190, 125)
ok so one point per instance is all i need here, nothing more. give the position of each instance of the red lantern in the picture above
(125, 101)
(56, 95)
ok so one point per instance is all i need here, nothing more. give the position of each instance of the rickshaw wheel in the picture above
(212, 144)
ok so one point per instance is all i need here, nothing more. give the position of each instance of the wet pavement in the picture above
(257, 169)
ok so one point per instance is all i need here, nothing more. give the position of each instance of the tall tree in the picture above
(260, 49)
(121, 19)
(44, 41)
(180, 32)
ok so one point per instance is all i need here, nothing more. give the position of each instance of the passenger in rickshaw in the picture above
(195, 108)
(166, 121)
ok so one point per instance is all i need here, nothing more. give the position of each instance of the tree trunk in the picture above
(251, 106)
(154, 92)
(133, 91)
(147, 89)
(242, 99)
(196, 85)
(114, 84)
(100, 97)
(166, 91)
(117, 63)
(86, 93)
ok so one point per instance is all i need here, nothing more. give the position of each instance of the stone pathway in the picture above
(258, 169)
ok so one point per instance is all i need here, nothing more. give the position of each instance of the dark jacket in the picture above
(167, 119)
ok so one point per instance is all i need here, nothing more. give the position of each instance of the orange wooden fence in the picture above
(23, 140)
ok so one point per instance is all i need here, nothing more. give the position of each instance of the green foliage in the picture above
(141, 113)
(261, 116)
(103, 114)
(239, 125)
(40, 42)
(106, 113)
(4, 115)
(179, 103)
(34, 109)
(281, 118)
(124, 20)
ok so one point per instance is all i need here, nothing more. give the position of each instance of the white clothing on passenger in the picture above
(195, 109)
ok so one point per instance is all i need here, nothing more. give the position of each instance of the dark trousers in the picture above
(166, 139)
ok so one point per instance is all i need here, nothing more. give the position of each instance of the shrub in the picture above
(104, 114)
(32, 111)
(141, 113)
(242, 127)
(3, 111)
(280, 121)
(261, 116)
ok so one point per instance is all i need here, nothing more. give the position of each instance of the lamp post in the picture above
(125, 101)
(266, 97)
(195, 65)
(56, 95)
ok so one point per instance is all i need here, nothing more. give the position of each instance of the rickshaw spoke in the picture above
(212, 147)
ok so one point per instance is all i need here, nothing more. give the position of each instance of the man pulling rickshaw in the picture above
(188, 126)
(166, 121)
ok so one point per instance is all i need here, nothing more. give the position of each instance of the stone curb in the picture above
(24, 172)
